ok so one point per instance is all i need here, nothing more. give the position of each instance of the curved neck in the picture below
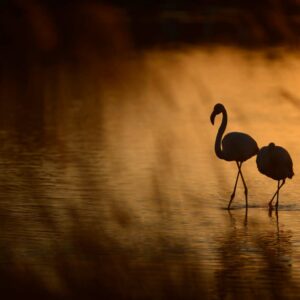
(221, 130)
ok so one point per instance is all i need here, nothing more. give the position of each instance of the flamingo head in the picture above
(271, 146)
(219, 108)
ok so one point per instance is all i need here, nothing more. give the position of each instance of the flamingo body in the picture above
(276, 163)
(238, 146)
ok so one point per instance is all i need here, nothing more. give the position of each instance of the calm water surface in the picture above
(110, 186)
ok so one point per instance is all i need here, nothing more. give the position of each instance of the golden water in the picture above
(111, 188)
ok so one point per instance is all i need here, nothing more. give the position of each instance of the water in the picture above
(110, 186)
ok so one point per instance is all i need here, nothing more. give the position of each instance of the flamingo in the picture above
(236, 146)
(276, 163)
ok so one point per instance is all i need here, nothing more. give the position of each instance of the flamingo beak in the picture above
(212, 117)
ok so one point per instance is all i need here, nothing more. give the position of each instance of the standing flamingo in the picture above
(276, 163)
(236, 146)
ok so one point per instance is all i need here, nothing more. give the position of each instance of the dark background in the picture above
(155, 23)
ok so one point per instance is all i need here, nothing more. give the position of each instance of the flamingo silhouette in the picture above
(276, 163)
(236, 146)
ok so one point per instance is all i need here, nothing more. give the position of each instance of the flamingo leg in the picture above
(234, 189)
(277, 197)
(244, 183)
(277, 193)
